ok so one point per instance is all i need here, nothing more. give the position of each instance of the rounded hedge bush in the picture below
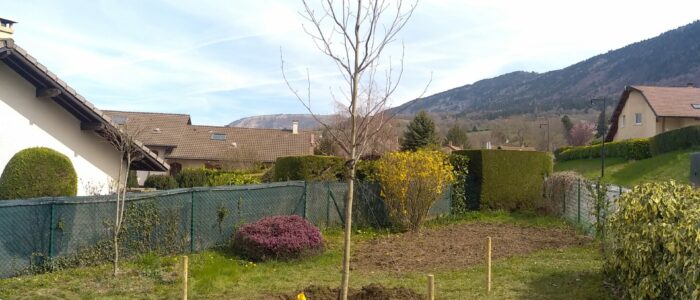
(38, 172)
(279, 238)
(160, 182)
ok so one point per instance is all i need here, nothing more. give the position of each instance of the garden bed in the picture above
(455, 247)
(372, 291)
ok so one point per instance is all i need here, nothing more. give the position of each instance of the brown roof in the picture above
(663, 101)
(38, 75)
(196, 142)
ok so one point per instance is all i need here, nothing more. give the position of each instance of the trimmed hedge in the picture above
(232, 178)
(160, 182)
(505, 179)
(309, 168)
(628, 149)
(279, 237)
(655, 248)
(192, 177)
(679, 139)
(38, 172)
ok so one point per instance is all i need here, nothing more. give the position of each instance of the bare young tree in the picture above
(354, 35)
(124, 140)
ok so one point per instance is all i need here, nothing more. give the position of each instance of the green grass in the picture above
(672, 165)
(572, 273)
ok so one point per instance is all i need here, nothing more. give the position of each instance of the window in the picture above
(218, 136)
(638, 118)
(696, 106)
(120, 120)
(622, 122)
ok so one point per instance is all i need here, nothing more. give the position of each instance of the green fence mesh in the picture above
(174, 221)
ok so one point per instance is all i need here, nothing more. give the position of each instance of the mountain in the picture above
(282, 121)
(670, 59)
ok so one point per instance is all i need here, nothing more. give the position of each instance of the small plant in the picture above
(601, 206)
(221, 214)
(279, 238)
(160, 182)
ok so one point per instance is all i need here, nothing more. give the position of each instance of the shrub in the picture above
(232, 178)
(411, 182)
(192, 177)
(366, 170)
(279, 238)
(309, 168)
(38, 172)
(678, 139)
(556, 187)
(460, 165)
(655, 249)
(505, 179)
(132, 180)
(160, 182)
(628, 149)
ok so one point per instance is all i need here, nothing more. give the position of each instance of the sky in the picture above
(220, 60)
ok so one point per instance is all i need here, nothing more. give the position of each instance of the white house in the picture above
(38, 109)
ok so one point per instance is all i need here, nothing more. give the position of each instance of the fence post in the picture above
(192, 221)
(619, 187)
(328, 203)
(578, 217)
(51, 221)
(563, 203)
(306, 196)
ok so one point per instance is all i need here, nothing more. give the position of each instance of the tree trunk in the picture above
(348, 231)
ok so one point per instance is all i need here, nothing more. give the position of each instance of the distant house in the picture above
(183, 145)
(645, 111)
(37, 109)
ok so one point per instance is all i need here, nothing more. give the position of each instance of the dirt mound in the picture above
(457, 246)
(370, 292)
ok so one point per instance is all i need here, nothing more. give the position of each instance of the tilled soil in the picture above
(370, 292)
(457, 246)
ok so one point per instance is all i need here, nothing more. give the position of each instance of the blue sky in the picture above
(220, 60)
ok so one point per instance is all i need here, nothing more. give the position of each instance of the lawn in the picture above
(672, 165)
(571, 272)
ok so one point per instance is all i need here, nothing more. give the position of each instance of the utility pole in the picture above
(546, 123)
(602, 148)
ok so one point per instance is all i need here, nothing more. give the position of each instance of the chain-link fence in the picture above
(75, 231)
(578, 203)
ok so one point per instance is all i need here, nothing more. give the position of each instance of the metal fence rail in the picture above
(173, 221)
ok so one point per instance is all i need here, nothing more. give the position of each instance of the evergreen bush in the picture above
(38, 172)
(160, 182)
(309, 168)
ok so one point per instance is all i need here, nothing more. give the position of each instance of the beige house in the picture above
(183, 145)
(645, 111)
(38, 109)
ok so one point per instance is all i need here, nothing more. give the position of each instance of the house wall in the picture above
(648, 128)
(142, 175)
(670, 123)
(31, 122)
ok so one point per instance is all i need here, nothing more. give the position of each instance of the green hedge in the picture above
(460, 165)
(310, 168)
(38, 172)
(629, 149)
(160, 182)
(194, 177)
(678, 139)
(655, 248)
(232, 178)
(505, 179)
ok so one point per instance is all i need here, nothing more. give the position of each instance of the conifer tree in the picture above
(419, 133)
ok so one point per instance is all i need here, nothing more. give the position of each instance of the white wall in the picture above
(26, 121)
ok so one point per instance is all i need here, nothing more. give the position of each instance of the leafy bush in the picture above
(366, 170)
(505, 179)
(411, 182)
(673, 140)
(193, 177)
(629, 149)
(556, 187)
(38, 172)
(160, 182)
(655, 249)
(232, 178)
(309, 168)
(132, 180)
(279, 237)
(460, 165)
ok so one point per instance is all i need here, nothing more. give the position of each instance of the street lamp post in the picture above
(602, 148)
(546, 124)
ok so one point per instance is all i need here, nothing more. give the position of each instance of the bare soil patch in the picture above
(457, 246)
(370, 292)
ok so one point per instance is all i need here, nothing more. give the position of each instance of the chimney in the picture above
(295, 127)
(690, 84)
(6, 29)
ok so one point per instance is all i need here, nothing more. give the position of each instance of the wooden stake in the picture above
(488, 264)
(431, 287)
(184, 277)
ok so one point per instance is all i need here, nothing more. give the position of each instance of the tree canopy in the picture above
(419, 133)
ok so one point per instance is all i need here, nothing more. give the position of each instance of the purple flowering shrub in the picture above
(278, 237)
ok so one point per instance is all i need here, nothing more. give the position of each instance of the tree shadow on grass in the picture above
(566, 285)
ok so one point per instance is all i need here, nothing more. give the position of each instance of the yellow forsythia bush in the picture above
(411, 182)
